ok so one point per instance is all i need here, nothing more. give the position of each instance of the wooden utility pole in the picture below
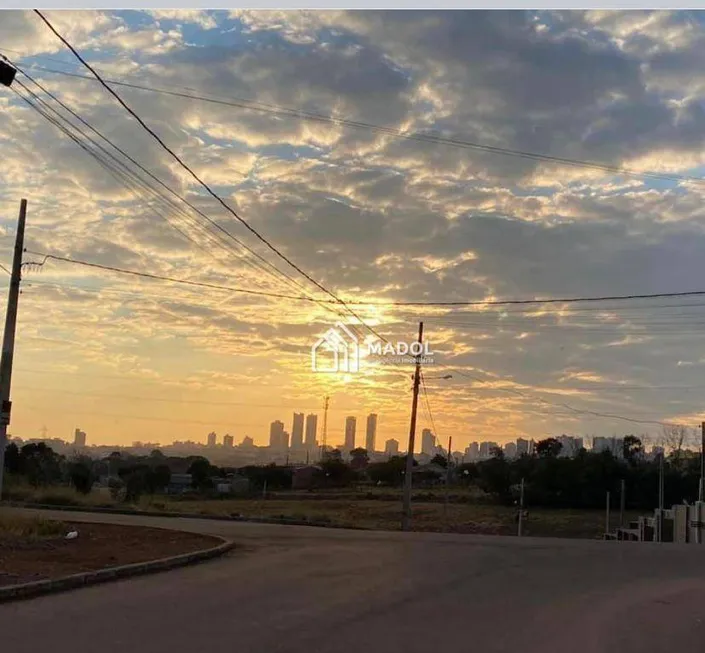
(520, 521)
(701, 485)
(406, 502)
(8, 340)
(447, 487)
(607, 514)
(622, 502)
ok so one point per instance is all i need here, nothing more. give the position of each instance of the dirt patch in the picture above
(98, 546)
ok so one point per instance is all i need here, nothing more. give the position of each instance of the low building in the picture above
(304, 477)
(179, 483)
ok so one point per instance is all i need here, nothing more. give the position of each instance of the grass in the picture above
(15, 527)
(58, 496)
(386, 515)
(466, 512)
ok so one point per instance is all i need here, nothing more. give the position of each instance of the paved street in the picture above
(299, 589)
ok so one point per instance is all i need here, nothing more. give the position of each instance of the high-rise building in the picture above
(212, 438)
(311, 428)
(79, 438)
(228, 440)
(472, 452)
(428, 442)
(522, 447)
(570, 447)
(391, 447)
(276, 436)
(350, 423)
(486, 449)
(371, 435)
(614, 445)
(510, 450)
(297, 431)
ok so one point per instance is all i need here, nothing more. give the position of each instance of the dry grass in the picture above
(386, 515)
(59, 496)
(14, 527)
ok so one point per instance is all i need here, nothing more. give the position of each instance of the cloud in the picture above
(371, 215)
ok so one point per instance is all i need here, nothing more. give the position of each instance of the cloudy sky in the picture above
(371, 214)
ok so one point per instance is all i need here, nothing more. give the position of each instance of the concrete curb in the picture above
(29, 590)
(180, 515)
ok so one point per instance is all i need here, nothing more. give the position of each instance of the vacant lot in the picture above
(380, 514)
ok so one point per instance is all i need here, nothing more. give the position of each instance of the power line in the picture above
(187, 282)
(428, 405)
(112, 395)
(197, 178)
(565, 405)
(150, 174)
(279, 110)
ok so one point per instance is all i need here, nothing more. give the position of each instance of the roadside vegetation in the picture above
(563, 496)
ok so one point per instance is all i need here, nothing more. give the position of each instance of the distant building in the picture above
(614, 445)
(212, 437)
(486, 449)
(570, 447)
(228, 441)
(278, 439)
(371, 434)
(311, 428)
(523, 447)
(349, 445)
(510, 450)
(247, 442)
(391, 447)
(472, 452)
(428, 442)
(79, 438)
(297, 431)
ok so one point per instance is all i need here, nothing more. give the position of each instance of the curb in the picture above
(180, 515)
(50, 586)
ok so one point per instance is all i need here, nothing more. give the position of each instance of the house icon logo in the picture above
(340, 348)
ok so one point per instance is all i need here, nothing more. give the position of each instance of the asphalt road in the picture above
(295, 589)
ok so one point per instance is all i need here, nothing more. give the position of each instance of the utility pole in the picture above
(701, 485)
(8, 340)
(607, 514)
(520, 521)
(447, 488)
(659, 521)
(622, 502)
(406, 505)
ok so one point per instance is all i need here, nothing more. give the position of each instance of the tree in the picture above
(159, 478)
(633, 449)
(389, 472)
(673, 437)
(336, 473)
(81, 476)
(548, 448)
(200, 470)
(12, 459)
(359, 458)
(439, 459)
(497, 452)
(40, 464)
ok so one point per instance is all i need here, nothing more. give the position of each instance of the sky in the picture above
(370, 214)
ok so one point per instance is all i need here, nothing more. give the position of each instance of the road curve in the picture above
(292, 589)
